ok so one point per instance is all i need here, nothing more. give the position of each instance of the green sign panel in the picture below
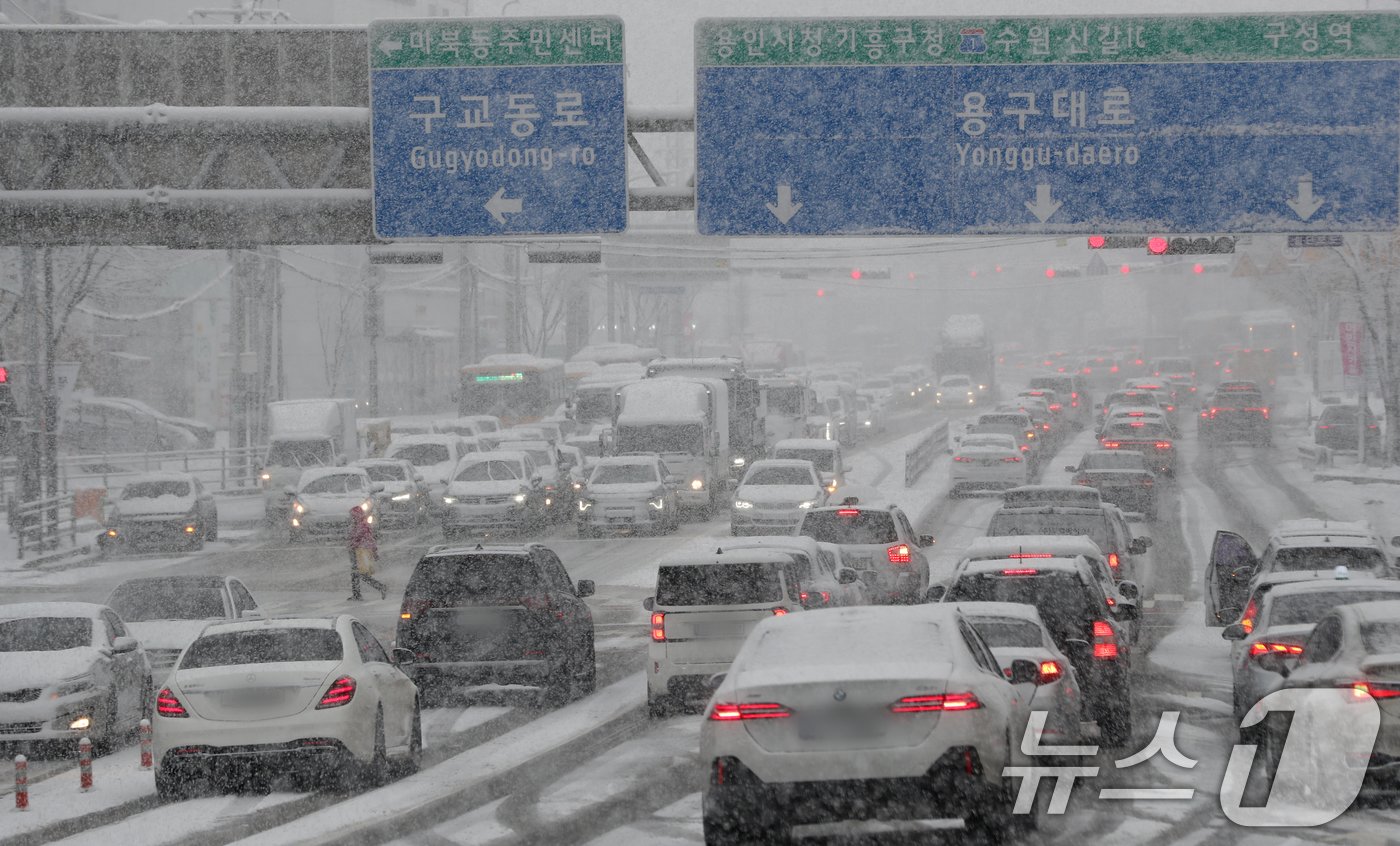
(757, 42)
(456, 43)
(502, 377)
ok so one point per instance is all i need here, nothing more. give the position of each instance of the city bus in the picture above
(515, 388)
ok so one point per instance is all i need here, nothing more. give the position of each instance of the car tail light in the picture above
(1083, 480)
(1265, 647)
(823, 595)
(1050, 671)
(341, 691)
(1113, 369)
(1251, 610)
(898, 554)
(1147, 482)
(1164, 445)
(848, 512)
(1361, 690)
(1111, 445)
(169, 705)
(1019, 556)
(1263, 411)
(1012, 459)
(1105, 643)
(413, 608)
(1113, 561)
(1323, 426)
(937, 702)
(658, 626)
(1020, 571)
(1056, 407)
(962, 459)
(725, 712)
(1025, 447)
(779, 611)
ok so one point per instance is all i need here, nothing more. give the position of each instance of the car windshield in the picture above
(718, 584)
(462, 580)
(1063, 602)
(299, 454)
(780, 476)
(956, 382)
(1008, 631)
(1381, 637)
(263, 646)
(335, 484)
(1307, 608)
(852, 526)
(137, 602)
(1114, 461)
(1329, 557)
(668, 438)
(623, 474)
(823, 459)
(154, 490)
(1337, 414)
(45, 634)
(1032, 522)
(786, 400)
(421, 454)
(385, 473)
(491, 471)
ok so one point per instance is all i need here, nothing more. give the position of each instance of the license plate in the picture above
(477, 622)
(251, 698)
(838, 727)
(718, 630)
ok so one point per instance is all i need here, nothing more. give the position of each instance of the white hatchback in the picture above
(988, 462)
(308, 697)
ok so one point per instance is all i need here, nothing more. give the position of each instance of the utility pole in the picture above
(238, 347)
(31, 485)
(373, 318)
(515, 303)
(468, 351)
(49, 421)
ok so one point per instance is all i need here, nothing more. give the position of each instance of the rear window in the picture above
(824, 459)
(385, 473)
(263, 646)
(155, 490)
(421, 454)
(1114, 461)
(1328, 557)
(718, 584)
(1092, 525)
(850, 526)
(1381, 637)
(45, 634)
(1063, 602)
(1002, 420)
(1137, 429)
(141, 601)
(1308, 608)
(475, 580)
(1005, 631)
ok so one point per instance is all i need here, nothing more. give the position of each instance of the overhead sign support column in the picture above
(1037, 125)
(484, 128)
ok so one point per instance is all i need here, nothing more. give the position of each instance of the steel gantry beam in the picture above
(233, 158)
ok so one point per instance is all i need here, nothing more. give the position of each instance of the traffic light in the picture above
(1162, 246)
(4, 374)
(855, 273)
(821, 292)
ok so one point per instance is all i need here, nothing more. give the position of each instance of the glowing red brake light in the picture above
(1164, 445)
(1111, 444)
(658, 626)
(1015, 459)
(1105, 643)
(168, 705)
(1018, 556)
(1264, 647)
(1020, 571)
(848, 512)
(1055, 406)
(1050, 671)
(937, 702)
(341, 691)
(1113, 561)
(1251, 610)
(729, 712)
(779, 611)
(962, 459)
(899, 553)
(1360, 690)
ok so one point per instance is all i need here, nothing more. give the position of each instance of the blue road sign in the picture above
(822, 143)
(488, 128)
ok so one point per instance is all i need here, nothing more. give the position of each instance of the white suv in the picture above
(875, 537)
(703, 609)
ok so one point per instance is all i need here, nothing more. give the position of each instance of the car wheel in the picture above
(172, 786)
(296, 536)
(659, 707)
(413, 761)
(375, 772)
(212, 533)
(587, 679)
(993, 819)
(732, 826)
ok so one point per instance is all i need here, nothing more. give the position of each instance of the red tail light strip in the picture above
(729, 712)
(341, 691)
(167, 705)
(937, 702)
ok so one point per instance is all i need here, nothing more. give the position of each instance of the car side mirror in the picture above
(1139, 546)
(927, 540)
(417, 477)
(649, 603)
(1070, 468)
(1025, 672)
(1129, 589)
(846, 576)
(1234, 631)
(1395, 541)
(935, 593)
(585, 588)
(1079, 651)
(377, 487)
(289, 491)
(123, 644)
(1272, 662)
(537, 480)
(404, 657)
(716, 680)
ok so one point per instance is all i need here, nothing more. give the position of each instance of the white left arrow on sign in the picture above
(388, 47)
(786, 209)
(1044, 207)
(500, 205)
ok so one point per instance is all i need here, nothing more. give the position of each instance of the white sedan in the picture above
(316, 697)
(849, 713)
(988, 462)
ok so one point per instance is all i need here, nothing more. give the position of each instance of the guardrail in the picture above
(38, 524)
(918, 459)
(221, 470)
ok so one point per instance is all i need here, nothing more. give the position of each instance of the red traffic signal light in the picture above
(855, 273)
(821, 292)
(1096, 242)
(4, 375)
(1157, 245)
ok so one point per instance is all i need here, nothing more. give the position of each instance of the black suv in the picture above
(498, 613)
(1073, 394)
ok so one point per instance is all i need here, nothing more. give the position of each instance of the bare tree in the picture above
(1373, 273)
(333, 313)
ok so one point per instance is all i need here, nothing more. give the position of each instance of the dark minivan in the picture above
(498, 613)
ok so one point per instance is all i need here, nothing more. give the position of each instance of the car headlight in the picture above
(578, 486)
(449, 500)
(75, 685)
(585, 504)
(658, 503)
(697, 484)
(981, 387)
(367, 506)
(403, 497)
(265, 476)
(739, 461)
(938, 393)
(808, 504)
(298, 508)
(519, 498)
(742, 505)
(831, 487)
